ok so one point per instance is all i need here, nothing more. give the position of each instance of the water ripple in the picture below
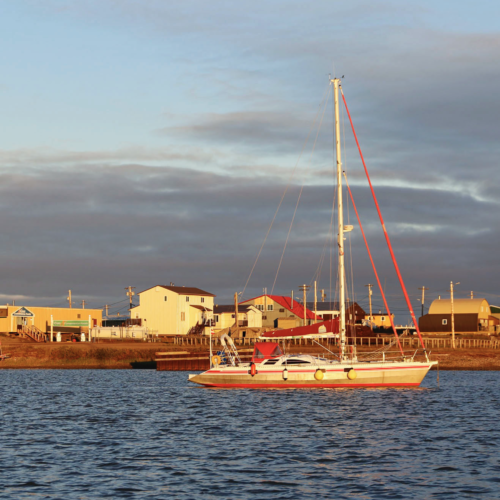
(150, 435)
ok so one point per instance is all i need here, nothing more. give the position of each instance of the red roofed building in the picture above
(279, 311)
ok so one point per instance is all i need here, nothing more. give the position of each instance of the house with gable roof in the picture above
(174, 310)
(281, 312)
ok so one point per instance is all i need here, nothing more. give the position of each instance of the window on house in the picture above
(183, 316)
(202, 300)
(444, 322)
(232, 316)
(78, 316)
(216, 317)
(260, 307)
(382, 318)
(187, 299)
(264, 317)
(165, 298)
(270, 307)
(244, 333)
(282, 310)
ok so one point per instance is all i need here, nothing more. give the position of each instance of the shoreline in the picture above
(27, 355)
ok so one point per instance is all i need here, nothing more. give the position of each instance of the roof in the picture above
(334, 306)
(183, 290)
(494, 309)
(230, 308)
(460, 306)
(201, 308)
(317, 329)
(285, 302)
(324, 306)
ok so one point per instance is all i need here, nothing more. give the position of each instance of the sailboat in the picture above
(272, 367)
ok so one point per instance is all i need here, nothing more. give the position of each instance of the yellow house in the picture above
(248, 316)
(277, 307)
(174, 310)
(381, 320)
(13, 318)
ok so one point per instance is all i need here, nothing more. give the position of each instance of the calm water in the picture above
(146, 434)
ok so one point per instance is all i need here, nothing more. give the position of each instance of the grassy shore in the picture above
(136, 355)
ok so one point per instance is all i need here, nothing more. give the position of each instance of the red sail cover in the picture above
(318, 329)
(265, 350)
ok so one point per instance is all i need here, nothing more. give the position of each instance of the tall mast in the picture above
(340, 213)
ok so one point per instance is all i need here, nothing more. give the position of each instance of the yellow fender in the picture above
(319, 375)
(351, 374)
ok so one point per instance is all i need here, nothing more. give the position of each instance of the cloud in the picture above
(98, 229)
(191, 204)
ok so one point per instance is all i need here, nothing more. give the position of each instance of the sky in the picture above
(144, 142)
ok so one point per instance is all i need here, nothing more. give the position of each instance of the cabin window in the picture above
(297, 362)
(202, 300)
(270, 307)
(183, 316)
(271, 361)
(187, 299)
(445, 322)
(165, 298)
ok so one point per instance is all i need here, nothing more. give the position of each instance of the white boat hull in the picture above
(335, 375)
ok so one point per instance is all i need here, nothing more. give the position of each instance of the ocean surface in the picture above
(92, 434)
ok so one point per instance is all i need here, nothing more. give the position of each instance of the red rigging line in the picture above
(374, 268)
(408, 303)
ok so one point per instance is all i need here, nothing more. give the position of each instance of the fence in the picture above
(412, 342)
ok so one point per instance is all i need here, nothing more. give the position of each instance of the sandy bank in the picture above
(135, 355)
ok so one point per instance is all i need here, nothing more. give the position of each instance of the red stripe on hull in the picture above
(312, 386)
(384, 368)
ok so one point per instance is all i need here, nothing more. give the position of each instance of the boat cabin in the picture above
(266, 350)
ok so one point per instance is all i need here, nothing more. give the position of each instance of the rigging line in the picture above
(408, 303)
(325, 95)
(300, 194)
(348, 211)
(373, 265)
(327, 240)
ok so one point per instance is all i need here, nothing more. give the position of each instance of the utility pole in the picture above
(236, 313)
(315, 301)
(304, 288)
(68, 298)
(130, 294)
(452, 316)
(423, 297)
(370, 302)
(471, 294)
(292, 300)
(83, 304)
(106, 306)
